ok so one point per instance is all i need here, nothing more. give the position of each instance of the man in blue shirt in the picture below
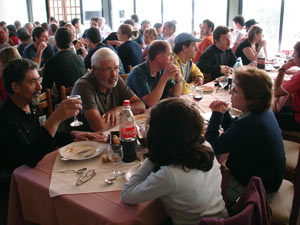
(151, 80)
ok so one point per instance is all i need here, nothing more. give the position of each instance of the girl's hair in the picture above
(174, 136)
(7, 54)
(254, 30)
(126, 29)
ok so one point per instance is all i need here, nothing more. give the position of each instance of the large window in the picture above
(38, 10)
(147, 10)
(121, 11)
(204, 9)
(64, 9)
(291, 30)
(11, 11)
(181, 12)
(267, 14)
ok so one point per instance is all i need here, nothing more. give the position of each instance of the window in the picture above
(91, 9)
(39, 12)
(181, 12)
(64, 9)
(149, 11)
(121, 11)
(204, 9)
(290, 31)
(267, 14)
(19, 12)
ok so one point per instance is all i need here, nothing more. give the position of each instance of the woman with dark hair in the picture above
(253, 139)
(249, 48)
(14, 40)
(130, 51)
(181, 168)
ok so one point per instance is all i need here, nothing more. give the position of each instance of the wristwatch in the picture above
(281, 69)
(176, 82)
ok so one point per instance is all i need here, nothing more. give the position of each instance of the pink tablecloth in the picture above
(30, 201)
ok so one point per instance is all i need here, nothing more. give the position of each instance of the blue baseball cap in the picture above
(185, 37)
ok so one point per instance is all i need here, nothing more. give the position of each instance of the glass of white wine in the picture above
(76, 122)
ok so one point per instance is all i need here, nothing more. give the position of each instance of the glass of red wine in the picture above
(197, 93)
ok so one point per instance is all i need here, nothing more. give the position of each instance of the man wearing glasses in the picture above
(102, 92)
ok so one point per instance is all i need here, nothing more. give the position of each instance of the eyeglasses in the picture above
(108, 71)
(85, 177)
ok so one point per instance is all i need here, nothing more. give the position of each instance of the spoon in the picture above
(110, 180)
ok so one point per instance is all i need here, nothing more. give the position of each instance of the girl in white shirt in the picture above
(181, 168)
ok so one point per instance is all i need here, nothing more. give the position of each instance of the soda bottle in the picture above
(128, 133)
(261, 59)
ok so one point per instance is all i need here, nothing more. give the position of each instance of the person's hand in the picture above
(79, 45)
(198, 81)
(114, 42)
(89, 136)
(42, 46)
(290, 63)
(170, 71)
(113, 115)
(262, 43)
(228, 71)
(67, 108)
(219, 106)
(224, 70)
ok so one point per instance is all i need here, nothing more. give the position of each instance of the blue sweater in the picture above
(254, 144)
(130, 53)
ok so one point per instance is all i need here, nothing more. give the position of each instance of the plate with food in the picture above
(141, 119)
(207, 89)
(82, 150)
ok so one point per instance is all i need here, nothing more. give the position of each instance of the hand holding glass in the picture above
(115, 152)
(76, 122)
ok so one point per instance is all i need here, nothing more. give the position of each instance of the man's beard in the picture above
(36, 100)
(109, 85)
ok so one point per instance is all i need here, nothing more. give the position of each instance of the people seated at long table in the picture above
(181, 169)
(102, 92)
(253, 139)
(288, 94)
(151, 80)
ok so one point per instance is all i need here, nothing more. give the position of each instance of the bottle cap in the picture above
(126, 103)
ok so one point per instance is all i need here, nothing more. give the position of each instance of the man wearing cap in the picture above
(248, 25)
(151, 80)
(184, 51)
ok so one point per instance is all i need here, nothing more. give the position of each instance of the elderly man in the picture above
(103, 28)
(39, 51)
(151, 80)
(184, 51)
(169, 29)
(218, 58)
(103, 92)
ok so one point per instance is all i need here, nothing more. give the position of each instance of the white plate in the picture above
(131, 171)
(72, 150)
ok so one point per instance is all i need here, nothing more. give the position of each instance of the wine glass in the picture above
(115, 153)
(76, 122)
(197, 93)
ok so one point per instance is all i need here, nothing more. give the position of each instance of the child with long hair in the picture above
(188, 179)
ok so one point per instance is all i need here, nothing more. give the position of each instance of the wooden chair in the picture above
(291, 149)
(64, 92)
(291, 135)
(225, 182)
(286, 203)
(124, 76)
(46, 101)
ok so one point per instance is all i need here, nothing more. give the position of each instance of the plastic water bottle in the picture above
(128, 132)
(238, 64)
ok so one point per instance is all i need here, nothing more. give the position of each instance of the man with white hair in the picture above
(104, 28)
(103, 92)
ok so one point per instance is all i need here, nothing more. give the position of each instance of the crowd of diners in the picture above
(181, 167)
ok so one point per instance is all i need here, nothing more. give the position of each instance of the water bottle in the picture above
(238, 64)
(261, 59)
(128, 133)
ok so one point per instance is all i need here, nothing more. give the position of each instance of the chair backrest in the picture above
(225, 182)
(64, 91)
(124, 76)
(252, 207)
(46, 101)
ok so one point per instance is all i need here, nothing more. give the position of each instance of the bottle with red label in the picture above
(128, 133)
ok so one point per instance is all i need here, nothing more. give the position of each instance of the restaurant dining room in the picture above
(135, 112)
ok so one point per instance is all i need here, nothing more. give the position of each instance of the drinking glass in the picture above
(76, 122)
(197, 93)
(223, 82)
(115, 152)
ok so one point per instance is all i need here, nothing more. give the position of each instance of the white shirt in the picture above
(187, 196)
(105, 31)
(171, 40)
